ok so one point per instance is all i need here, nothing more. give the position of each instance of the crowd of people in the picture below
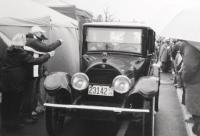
(21, 74)
(170, 56)
(181, 58)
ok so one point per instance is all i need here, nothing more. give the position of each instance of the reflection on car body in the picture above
(118, 79)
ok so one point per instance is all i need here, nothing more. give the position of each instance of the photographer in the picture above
(36, 46)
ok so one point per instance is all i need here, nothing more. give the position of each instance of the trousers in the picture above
(11, 103)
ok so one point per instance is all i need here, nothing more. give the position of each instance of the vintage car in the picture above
(118, 80)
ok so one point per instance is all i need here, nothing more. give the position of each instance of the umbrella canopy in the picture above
(185, 26)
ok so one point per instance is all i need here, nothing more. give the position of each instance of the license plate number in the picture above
(100, 90)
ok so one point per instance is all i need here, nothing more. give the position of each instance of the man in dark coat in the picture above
(15, 74)
(37, 43)
(34, 40)
(164, 57)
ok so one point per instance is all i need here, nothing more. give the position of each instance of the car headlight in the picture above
(80, 81)
(121, 84)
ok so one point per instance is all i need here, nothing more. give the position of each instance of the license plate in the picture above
(100, 90)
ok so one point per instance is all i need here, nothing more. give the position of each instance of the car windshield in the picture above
(114, 39)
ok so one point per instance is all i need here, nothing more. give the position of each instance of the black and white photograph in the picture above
(99, 68)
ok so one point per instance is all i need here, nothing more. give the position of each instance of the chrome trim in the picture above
(153, 117)
(82, 74)
(121, 76)
(99, 108)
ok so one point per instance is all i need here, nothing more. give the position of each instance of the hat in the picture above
(44, 37)
(18, 40)
(36, 29)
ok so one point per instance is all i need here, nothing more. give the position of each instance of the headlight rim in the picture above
(121, 76)
(75, 75)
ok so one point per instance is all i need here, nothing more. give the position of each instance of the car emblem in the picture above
(104, 57)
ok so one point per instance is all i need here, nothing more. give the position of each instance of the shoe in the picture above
(34, 113)
(40, 110)
(29, 120)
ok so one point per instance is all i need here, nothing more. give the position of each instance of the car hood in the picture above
(124, 63)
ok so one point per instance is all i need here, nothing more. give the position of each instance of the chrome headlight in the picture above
(80, 81)
(121, 84)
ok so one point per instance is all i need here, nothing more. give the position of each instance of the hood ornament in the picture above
(104, 57)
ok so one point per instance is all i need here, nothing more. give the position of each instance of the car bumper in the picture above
(96, 108)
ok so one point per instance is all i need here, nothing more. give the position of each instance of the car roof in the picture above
(117, 24)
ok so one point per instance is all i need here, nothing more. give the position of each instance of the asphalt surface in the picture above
(169, 120)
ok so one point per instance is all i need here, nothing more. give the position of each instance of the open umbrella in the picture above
(186, 26)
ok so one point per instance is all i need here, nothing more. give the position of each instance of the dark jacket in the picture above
(16, 68)
(40, 46)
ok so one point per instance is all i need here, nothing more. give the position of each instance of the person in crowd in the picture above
(15, 74)
(169, 56)
(157, 48)
(178, 51)
(174, 50)
(181, 83)
(178, 63)
(190, 76)
(35, 40)
(164, 56)
(172, 58)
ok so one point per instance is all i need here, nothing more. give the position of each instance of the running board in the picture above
(98, 108)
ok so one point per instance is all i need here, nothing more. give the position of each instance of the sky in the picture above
(156, 13)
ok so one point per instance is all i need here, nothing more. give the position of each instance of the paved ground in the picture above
(186, 114)
(169, 119)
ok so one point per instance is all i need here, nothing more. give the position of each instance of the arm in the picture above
(29, 59)
(42, 47)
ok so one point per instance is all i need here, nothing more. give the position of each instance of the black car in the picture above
(119, 79)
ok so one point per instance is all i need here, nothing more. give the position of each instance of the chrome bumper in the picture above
(98, 108)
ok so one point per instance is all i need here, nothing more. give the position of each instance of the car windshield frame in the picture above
(114, 39)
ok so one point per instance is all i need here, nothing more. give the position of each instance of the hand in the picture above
(52, 53)
(61, 41)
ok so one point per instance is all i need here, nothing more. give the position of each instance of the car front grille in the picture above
(102, 76)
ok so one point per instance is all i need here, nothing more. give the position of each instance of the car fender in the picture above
(56, 82)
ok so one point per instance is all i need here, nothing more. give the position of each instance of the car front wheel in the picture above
(149, 120)
(55, 119)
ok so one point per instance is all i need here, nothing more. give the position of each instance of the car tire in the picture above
(55, 119)
(149, 120)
